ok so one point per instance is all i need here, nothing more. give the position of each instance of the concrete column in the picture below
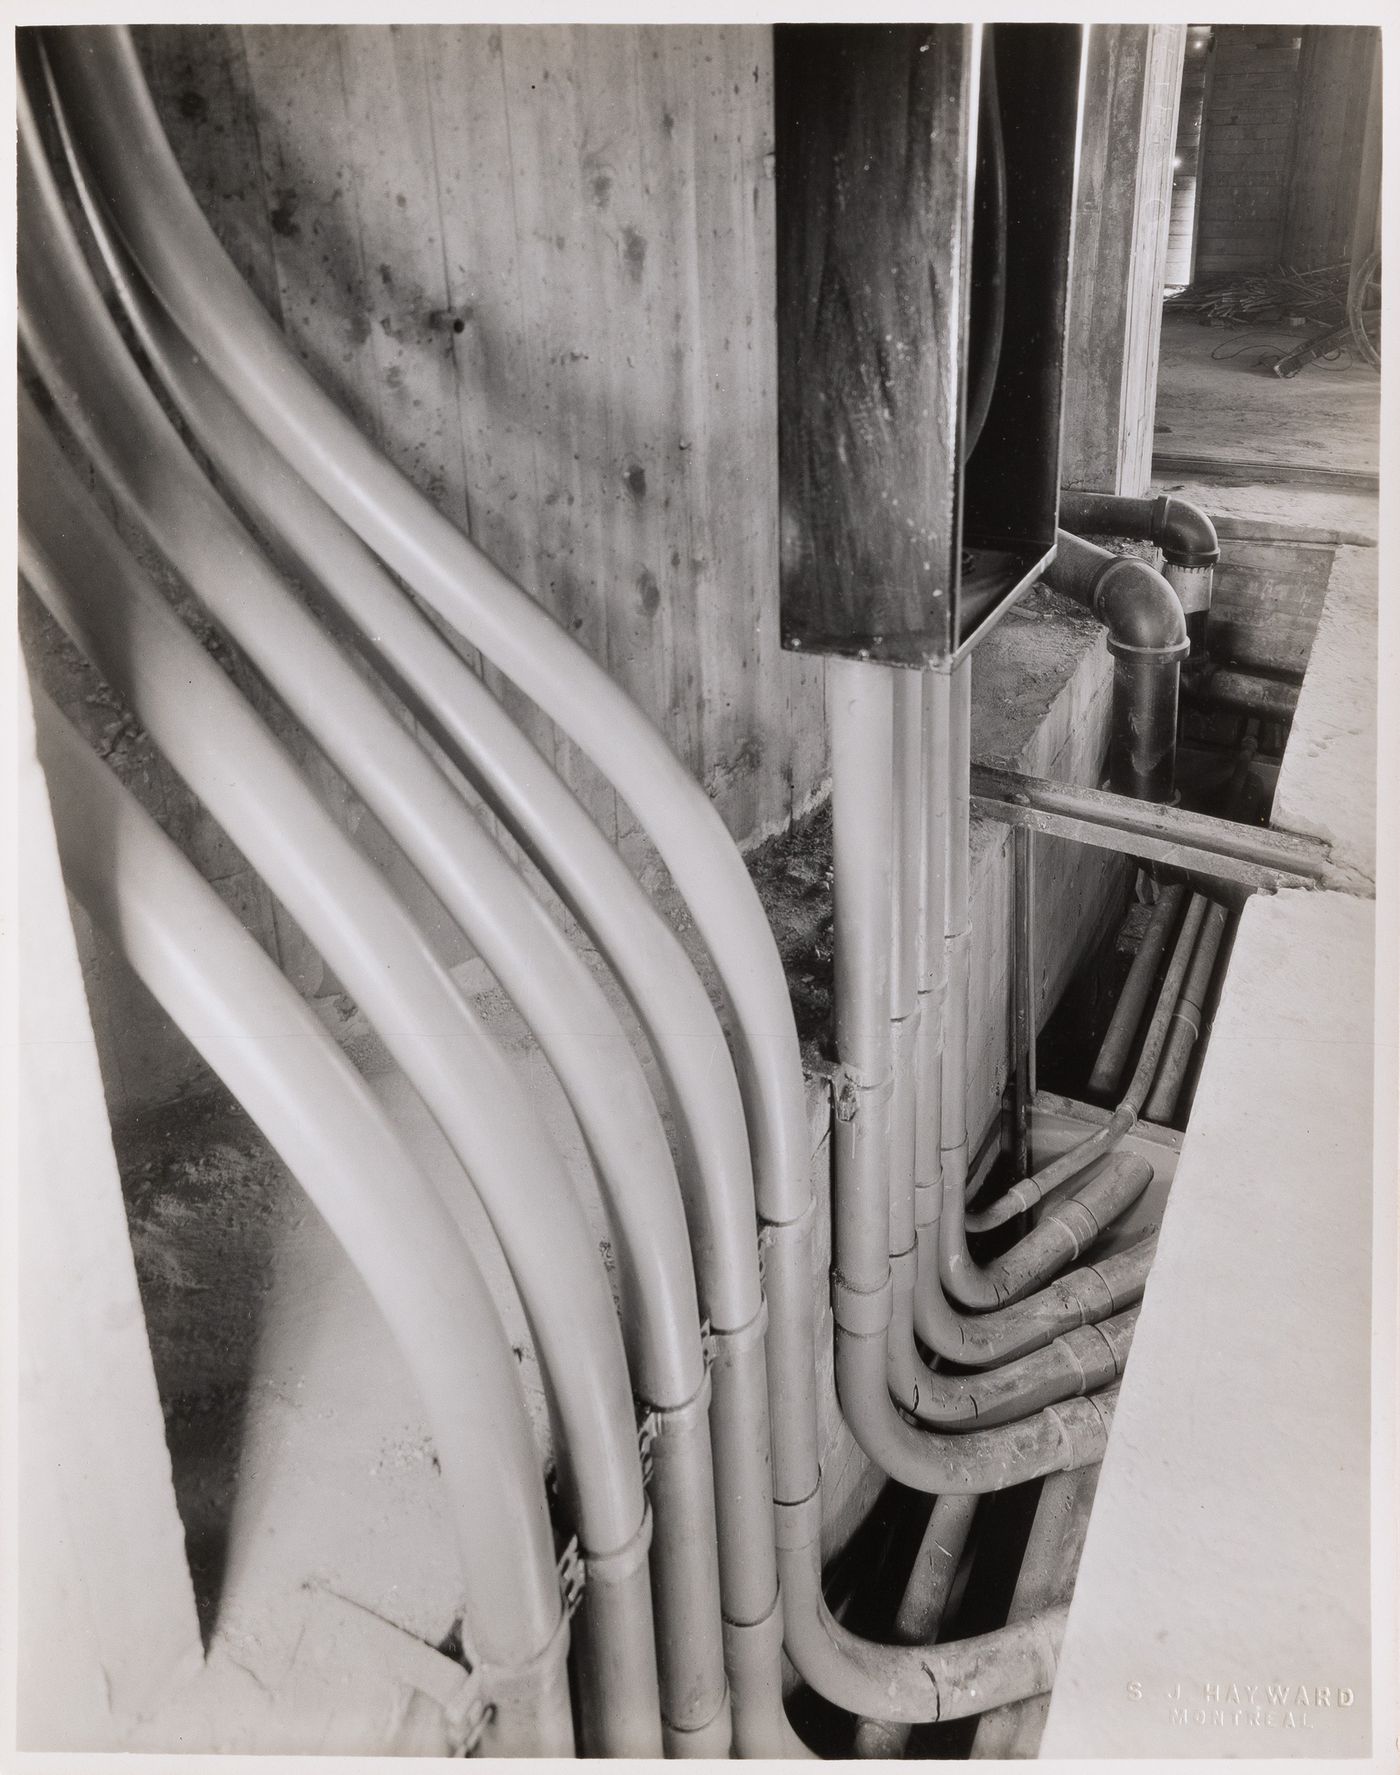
(1133, 87)
(108, 1629)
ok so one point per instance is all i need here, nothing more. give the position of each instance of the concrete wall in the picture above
(1246, 149)
(535, 264)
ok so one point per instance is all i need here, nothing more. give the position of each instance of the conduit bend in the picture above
(167, 236)
(677, 1017)
(860, 702)
(109, 406)
(1030, 1190)
(273, 1053)
(1181, 529)
(103, 600)
(1147, 638)
(1068, 1228)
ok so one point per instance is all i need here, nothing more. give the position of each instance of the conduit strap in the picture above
(497, 1686)
(656, 1421)
(573, 1577)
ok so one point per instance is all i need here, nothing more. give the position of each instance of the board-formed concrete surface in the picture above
(1222, 1606)
(1327, 784)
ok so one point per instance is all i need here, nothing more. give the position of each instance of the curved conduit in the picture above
(545, 818)
(109, 407)
(325, 1124)
(160, 237)
(109, 609)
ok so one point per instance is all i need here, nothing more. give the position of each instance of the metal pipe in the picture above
(1045, 1581)
(257, 1034)
(1180, 529)
(1072, 1364)
(1071, 1225)
(111, 409)
(1147, 638)
(860, 704)
(1085, 1296)
(1030, 1190)
(94, 588)
(106, 101)
(169, 239)
(1186, 1018)
(1023, 1013)
(1233, 688)
(922, 1606)
(544, 817)
(1257, 856)
(1126, 1020)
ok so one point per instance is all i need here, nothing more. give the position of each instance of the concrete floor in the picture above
(1228, 418)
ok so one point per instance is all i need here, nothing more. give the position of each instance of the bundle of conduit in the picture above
(647, 1607)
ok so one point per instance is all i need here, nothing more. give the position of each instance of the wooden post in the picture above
(1133, 88)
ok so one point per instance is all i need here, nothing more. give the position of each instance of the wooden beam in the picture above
(1122, 216)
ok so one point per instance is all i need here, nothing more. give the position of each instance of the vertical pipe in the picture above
(957, 931)
(1023, 973)
(932, 952)
(1132, 1000)
(1186, 1018)
(922, 1606)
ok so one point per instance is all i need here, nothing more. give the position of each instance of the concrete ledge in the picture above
(1222, 1606)
(1327, 783)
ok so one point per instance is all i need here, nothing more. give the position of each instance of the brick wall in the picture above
(1246, 149)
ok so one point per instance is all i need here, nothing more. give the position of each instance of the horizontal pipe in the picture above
(261, 1039)
(1132, 1000)
(1256, 856)
(1186, 1019)
(107, 606)
(1084, 1296)
(1181, 529)
(1229, 687)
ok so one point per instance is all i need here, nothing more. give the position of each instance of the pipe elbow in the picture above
(1184, 533)
(1139, 608)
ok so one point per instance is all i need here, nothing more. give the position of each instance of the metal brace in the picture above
(646, 1434)
(572, 1577)
(470, 1723)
